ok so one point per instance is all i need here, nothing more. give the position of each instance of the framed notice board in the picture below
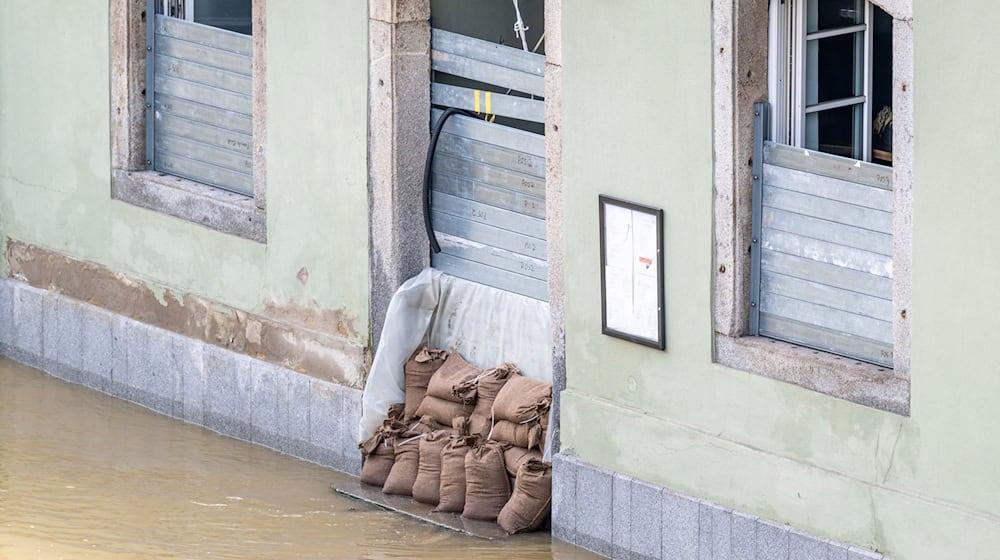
(632, 272)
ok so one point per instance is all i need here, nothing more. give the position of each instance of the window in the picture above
(188, 102)
(821, 252)
(836, 79)
(201, 66)
(830, 63)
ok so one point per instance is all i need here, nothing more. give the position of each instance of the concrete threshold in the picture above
(408, 506)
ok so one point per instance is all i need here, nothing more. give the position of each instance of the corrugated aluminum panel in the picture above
(488, 52)
(501, 198)
(487, 102)
(203, 104)
(488, 179)
(823, 260)
(485, 72)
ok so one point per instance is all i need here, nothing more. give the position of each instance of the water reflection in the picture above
(84, 475)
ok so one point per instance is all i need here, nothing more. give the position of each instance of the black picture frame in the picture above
(660, 342)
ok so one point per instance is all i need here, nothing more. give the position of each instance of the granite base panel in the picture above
(224, 391)
(624, 518)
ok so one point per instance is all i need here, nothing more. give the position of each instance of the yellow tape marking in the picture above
(475, 94)
(489, 102)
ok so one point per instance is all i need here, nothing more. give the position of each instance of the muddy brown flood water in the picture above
(84, 475)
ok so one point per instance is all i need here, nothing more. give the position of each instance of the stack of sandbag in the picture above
(520, 412)
(417, 374)
(497, 420)
(449, 393)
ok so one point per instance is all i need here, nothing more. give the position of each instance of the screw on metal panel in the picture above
(753, 304)
(756, 177)
(149, 47)
(148, 105)
(149, 162)
(756, 113)
(754, 240)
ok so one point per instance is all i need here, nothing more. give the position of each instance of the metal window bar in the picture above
(761, 128)
(826, 33)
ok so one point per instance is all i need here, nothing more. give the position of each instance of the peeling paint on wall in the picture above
(322, 343)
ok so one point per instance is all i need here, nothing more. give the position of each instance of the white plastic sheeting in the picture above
(487, 326)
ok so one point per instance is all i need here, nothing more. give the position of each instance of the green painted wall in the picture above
(55, 159)
(919, 487)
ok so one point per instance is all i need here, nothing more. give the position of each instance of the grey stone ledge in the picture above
(844, 378)
(622, 517)
(211, 207)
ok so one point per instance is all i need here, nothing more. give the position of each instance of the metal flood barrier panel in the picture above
(821, 250)
(200, 126)
(488, 179)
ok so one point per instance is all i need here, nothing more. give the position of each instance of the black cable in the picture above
(435, 134)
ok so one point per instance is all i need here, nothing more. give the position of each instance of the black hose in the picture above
(435, 134)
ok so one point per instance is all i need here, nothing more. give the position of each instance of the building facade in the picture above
(825, 386)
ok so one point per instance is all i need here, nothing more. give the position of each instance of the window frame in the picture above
(131, 180)
(740, 78)
(787, 73)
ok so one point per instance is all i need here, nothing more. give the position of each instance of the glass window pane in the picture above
(172, 8)
(234, 15)
(834, 67)
(836, 131)
(882, 88)
(831, 14)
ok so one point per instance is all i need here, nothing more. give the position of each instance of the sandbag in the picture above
(522, 399)
(487, 488)
(427, 485)
(452, 487)
(417, 373)
(488, 386)
(454, 381)
(460, 426)
(532, 498)
(396, 411)
(406, 448)
(514, 457)
(527, 435)
(377, 451)
(378, 456)
(442, 411)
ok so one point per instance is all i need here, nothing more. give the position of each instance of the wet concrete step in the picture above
(408, 506)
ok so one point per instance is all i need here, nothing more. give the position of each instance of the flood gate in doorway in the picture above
(487, 182)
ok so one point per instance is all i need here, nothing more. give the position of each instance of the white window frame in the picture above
(186, 5)
(787, 59)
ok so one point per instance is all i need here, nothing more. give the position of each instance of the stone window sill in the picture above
(214, 208)
(845, 378)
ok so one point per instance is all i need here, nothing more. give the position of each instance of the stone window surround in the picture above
(740, 52)
(131, 182)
